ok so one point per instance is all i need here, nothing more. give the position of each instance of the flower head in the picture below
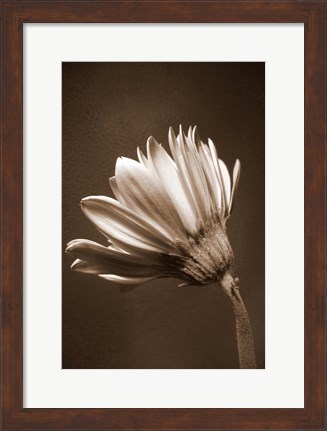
(168, 218)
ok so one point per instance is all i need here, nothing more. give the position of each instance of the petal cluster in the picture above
(168, 218)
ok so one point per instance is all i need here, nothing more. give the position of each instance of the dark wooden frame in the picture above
(14, 13)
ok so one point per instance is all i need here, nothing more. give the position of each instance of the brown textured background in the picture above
(108, 110)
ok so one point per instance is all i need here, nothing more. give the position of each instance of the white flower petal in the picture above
(114, 188)
(188, 138)
(99, 268)
(126, 280)
(219, 174)
(226, 181)
(145, 195)
(88, 267)
(212, 180)
(236, 177)
(195, 177)
(215, 179)
(96, 259)
(92, 251)
(196, 136)
(116, 248)
(142, 159)
(173, 144)
(95, 268)
(199, 184)
(124, 227)
(128, 219)
(165, 168)
(183, 169)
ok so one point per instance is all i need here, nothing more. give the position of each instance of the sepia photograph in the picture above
(163, 215)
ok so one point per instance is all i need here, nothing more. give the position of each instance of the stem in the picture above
(243, 327)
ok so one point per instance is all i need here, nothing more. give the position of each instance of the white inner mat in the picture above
(281, 383)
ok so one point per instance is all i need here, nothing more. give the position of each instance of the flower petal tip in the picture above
(74, 264)
(83, 201)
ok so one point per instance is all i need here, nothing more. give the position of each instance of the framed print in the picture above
(163, 215)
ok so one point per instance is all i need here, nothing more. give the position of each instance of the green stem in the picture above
(243, 327)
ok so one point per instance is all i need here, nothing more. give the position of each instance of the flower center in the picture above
(208, 255)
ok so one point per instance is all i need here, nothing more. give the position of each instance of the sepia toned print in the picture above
(165, 219)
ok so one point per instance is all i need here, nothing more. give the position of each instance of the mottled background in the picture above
(108, 110)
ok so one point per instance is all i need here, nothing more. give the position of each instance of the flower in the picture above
(168, 218)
